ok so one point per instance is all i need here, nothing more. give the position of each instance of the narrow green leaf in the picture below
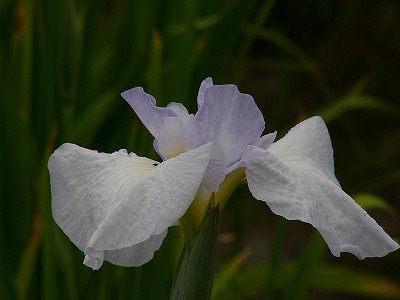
(154, 70)
(66, 261)
(371, 201)
(275, 262)
(222, 39)
(181, 54)
(305, 268)
(350, 281)
(286, 65)
(226, 274)
(262, 14)
(285, 43)
(356, 100)
(28, 260)
(326, 278)
(195, 273)
(89, 122)
(6, 287)
(18, 156)
(50, 288)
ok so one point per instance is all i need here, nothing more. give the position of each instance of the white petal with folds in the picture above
(266, 140)
(296, 179)
(307, 145)
(136, 255)
(111, 202)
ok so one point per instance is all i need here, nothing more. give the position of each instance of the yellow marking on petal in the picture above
(175, 151)
(228, 186)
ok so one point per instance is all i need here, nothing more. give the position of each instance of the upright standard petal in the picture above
(226, 117)
(177, 135)
(107, 203)
(231, 119)
(295, 177)
(151, 115)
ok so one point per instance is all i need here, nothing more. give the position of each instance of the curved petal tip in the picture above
(93, 259)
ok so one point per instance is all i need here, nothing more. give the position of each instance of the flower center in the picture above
(193, 218)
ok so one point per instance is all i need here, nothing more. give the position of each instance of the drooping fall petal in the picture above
(110, 202)
(295, 177)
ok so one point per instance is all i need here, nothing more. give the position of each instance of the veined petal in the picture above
(86, 186)
(133, 256)
(263, 142)
(297, 182)
(145, 107)
(136, 255)
(231, 119)
(216, 169)
(177, 135)
(307, 145)
(115, 201)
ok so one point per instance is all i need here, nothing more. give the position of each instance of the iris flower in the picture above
(118, 207)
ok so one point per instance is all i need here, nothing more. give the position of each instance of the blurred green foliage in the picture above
(64, 63)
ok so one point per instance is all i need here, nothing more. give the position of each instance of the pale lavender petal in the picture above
(205, 84)
(216, 169)
(114, 201)
(178, 109)
(297, 184)
(145, 107)
(263, 142)
(177, 135)
(231, 119)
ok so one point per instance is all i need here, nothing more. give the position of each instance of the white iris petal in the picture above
(295, 177)
(109, 202)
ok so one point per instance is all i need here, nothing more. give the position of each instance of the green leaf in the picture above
(195, 273)
(326, 278)
(88, 124)
(284, 43)
(306, 268)
(28, 260)
(355, 100)
(346, 280)
(370, 201)
(154, 70)
(276, 257)
(226, 274)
